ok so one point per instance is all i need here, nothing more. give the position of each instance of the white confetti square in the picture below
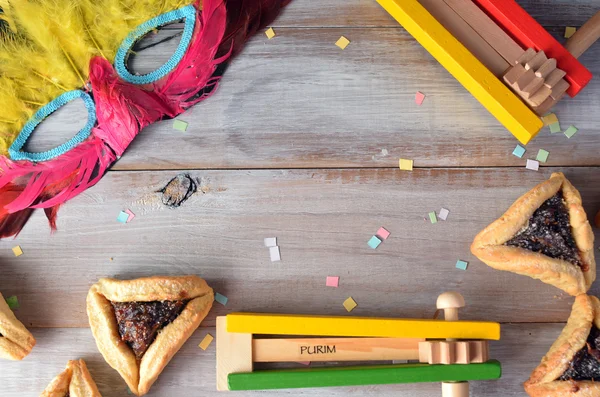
(443, 215)
(275, 254)
(533, 165)
(270, 242)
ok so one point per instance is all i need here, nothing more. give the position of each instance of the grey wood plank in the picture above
(297, 101)
(192, 371)
(360, 13)
(322, 218)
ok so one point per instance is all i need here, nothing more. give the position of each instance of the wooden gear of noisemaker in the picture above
(500, 54)
(449, 351)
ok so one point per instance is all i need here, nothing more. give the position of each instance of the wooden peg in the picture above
(525, 80)
(531, 88)
(450, 302)
(587, 35)
(559, 89)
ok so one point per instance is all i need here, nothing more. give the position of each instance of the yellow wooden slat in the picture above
(468, 70)
(298, 324)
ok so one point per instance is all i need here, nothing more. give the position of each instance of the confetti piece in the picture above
(554, 127)
(462, 265)
(569, 31)
(432, 217)
(342, 42)
(180, 125)
(275, 254)
(129, 391)
(572, 130)
(123, 216)
(350, 304)
(17, 250)
(270, 33)
(549, 119)
(419, 98)
(206, 342)
(519, 151)
(444, 214)
(542, 155)
(12, 302)
(222, 299)
(270, 242)
(533, 165)
(307, 363)
(406, 165)
(382, 233)
(131, 215)
(332, 281)
(374, 242)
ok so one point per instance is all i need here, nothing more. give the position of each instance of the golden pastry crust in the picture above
(543, 380)
(16, 341)
(140, 376)
(75, 379)
(489, 246)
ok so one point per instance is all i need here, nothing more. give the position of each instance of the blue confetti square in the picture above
(123, 216)
(519, 151)
(462, 265)
(222, 299)
(374, 242)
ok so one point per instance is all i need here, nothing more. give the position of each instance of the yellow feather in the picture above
(49, 44)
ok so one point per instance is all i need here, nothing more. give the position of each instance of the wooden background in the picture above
(302, 142)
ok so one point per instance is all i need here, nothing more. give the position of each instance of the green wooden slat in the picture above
(363, 375)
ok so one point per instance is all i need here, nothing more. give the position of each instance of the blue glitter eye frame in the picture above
(15, 152)
(188, 13)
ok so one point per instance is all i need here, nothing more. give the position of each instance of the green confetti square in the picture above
(554, 128)
(542, 155)
(12, 302)
(180, 125)
(433, 217)
(572, 130)
(374, 242)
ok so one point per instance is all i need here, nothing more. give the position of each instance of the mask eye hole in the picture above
(16, 151)
(188, 14)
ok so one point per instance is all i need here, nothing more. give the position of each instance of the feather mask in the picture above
(56, 51)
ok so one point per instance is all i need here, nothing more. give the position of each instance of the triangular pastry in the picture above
(571, 368)
(75, 381)
(16, 341)
(140, 324)
(546, 235)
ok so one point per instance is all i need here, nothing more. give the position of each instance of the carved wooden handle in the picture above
(583, 39)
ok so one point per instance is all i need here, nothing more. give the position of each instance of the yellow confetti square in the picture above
(550, 119)
(17, 250)
(342, 42)
(350, 304)
(570, 31)
(206, 342)
(406, 165)
(270, 33)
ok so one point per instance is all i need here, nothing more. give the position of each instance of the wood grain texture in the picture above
(297, 101)
(322, 219)
(192, 371)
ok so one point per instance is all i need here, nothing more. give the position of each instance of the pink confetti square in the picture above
(419, 98)
(304, 362)
(332, 281)
(383, 233)
(131, 215)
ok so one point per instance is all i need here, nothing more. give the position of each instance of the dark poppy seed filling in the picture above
(586, 363)
(549, 232)
(139, 322)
